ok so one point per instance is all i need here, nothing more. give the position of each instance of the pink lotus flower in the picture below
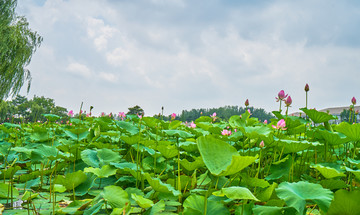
(288, 101)
(173, 116)
(122, 115)
(353, 101)
(265, 121)
(192, 125)
(88, 115)
(81, 112)
(280, 125)
(213, 115)
(262, 144)
(71, 113)
(248, 110)
(226, 132)
(102, 114)
(281, 96)
(140, 116)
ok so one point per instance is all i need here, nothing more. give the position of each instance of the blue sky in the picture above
(184, 54)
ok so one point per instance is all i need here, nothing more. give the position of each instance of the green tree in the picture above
(135, 110)
(17, 45)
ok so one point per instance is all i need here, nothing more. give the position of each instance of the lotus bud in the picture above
(353, 101)
(247, 102)
(288, 101)
(307, 88)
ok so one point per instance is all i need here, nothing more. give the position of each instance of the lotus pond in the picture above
(291, 165)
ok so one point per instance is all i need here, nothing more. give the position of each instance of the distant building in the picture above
(335, 111)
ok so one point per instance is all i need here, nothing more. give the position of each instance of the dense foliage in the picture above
(17, 45)
(144, 165)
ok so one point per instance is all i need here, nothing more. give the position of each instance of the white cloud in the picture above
(99, 32)
(79, 69)
(109, 77)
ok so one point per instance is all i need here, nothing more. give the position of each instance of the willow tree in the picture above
(17, 45)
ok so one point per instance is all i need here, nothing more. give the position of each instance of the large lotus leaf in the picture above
(157, 208)
(227, 162)
(195, 204)
(141, 201)
(292, 146)
(46, 151)
(255, 132)
(174, 124)
(345, 203)
(248, 181)
(178, 133)
(71, 180)
(188, 146)
(124, 166)
(90, 158)
(116, 196)
(333, 184)
(161, 187)
(104, 172)
(265, 195)
(236, 193)
(131, 140)
(203, 119)
(280, 168)
(151, 121)
(77, 133)
(4, 191)
(190, 166)
(294, 121)
(332, 138)
(107, 155)
(327, 171)
(296, 194)
(273, 210)
(168, 151)
(351, 131)
(354, 162)
(95, 208)
(236, 122)
(40, 135)
(355, 172)
(237, 164)
(316, 116)
(24, 150)
(128, 126)
(51, 117)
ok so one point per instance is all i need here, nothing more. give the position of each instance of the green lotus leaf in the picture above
(116, 196)
(191, 166)
(203, 119)
(28, 195)
(90, 158)
(128, 127)
(345, 203)
(71, 180)
(168, 151)
(354, 172)
(227, 162)
(59, 188)
(107, 155)
(95, 208)
(354, 162)
(131, 140)
(161, 187)
(248, 181)
(104, 172)
(292, 146)
(178, 133)
(327, 171)
(141, 201)
(4, 191)
(124, 166)
(195, 204)
(51, 117)
(77, 134)
(236, 122)
(333, 184)
(317, 116)
(297, 194)
(157, 208)
(255, 132)
(189, 146)
(236, 193)
(273, 210)
(280, 168)
(332, 138)
(351, 131)
(265, 195)
(174, 124)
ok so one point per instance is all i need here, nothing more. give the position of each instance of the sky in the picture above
(185, 54)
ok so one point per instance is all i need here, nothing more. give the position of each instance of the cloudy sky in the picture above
(184, 54)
